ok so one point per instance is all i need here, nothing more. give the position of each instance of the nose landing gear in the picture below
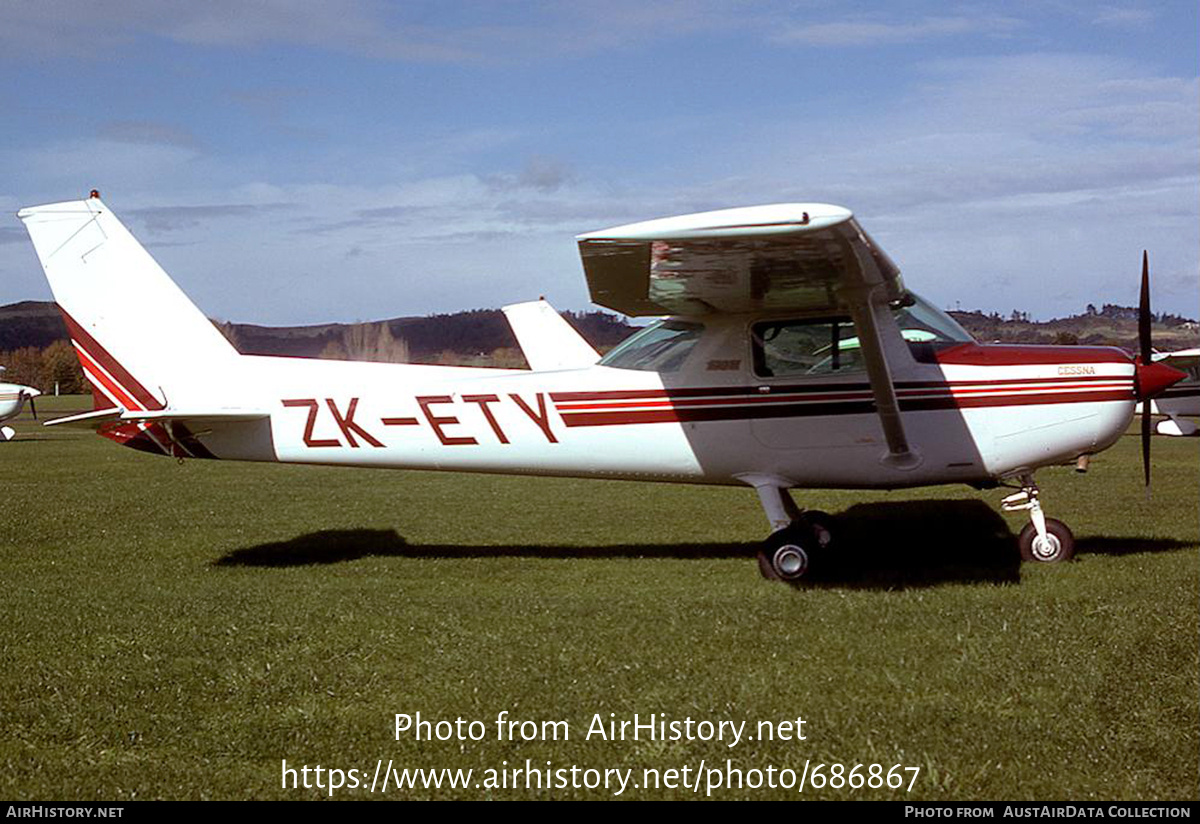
(1046, 540)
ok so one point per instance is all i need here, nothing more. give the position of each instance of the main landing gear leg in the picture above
(798, 537)
(1043, 539)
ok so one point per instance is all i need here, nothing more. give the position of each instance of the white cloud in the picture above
(1124, 16)
(79, 164)
(993, 176)
(985, 177)
(874, 32)
(437, 33)
(146, 131)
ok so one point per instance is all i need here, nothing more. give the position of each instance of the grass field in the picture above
(176, 631)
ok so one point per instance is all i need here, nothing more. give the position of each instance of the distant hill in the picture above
(1110, 326)
(33, 323)
(483, 337)
(477, 337)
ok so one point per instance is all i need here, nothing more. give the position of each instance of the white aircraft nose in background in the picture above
(12, 400)
(1182, 399)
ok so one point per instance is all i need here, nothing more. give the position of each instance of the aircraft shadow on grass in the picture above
(880, 546)
(1127, 545)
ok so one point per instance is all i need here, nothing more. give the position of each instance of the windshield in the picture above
(928, 329)
(922, 322)
(660, 347)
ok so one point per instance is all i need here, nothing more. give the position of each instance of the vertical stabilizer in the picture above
(142, 343)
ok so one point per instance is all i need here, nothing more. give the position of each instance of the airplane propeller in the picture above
(1145, 355)
(1151, 378)
(26, 396)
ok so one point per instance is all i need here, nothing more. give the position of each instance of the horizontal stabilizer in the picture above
(548, 341)
(87, 420)
(99, 417)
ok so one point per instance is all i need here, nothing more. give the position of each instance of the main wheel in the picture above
(787, 555)
(764, 565)
(1058, 546)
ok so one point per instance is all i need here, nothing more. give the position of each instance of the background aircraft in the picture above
(1181, 399)
(792, 356)
(13, 397)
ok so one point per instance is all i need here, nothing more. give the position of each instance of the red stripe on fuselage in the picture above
(1018, 400)
(944, 390)
(818, 408)
(1000, 354)
(819, 388)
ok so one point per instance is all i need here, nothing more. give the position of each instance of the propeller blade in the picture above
(33, 407)
(1144, 311)
(1146, 444)
(1146, 352)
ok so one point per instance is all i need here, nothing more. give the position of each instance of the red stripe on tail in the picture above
(100, 355)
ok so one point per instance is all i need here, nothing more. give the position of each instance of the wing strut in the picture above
(867, 301)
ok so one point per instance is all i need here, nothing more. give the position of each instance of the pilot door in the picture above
(812, 385)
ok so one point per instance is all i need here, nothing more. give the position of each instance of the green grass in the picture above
(174, 631)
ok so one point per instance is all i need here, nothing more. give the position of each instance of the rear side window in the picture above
(660, 347)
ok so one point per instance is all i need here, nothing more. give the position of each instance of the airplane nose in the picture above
(1153, 378)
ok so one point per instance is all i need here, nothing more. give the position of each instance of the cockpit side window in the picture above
(660, 347)
(822, 346)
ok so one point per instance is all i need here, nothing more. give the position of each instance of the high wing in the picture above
(789, 256)
(801, 257)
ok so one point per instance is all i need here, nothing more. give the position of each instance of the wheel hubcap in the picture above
(790, 561)
(1046, 549)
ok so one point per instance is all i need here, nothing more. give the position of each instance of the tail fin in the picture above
(141, 342)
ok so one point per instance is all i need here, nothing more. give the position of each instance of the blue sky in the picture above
(353, 159)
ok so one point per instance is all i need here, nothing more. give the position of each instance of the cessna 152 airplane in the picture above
(793, 356)
(13, 397)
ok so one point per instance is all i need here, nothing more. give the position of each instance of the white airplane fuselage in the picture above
(975, 414)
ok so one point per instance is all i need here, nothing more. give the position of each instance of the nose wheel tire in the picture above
(1058, 546)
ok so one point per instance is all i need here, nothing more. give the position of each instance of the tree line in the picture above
(45, 368)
